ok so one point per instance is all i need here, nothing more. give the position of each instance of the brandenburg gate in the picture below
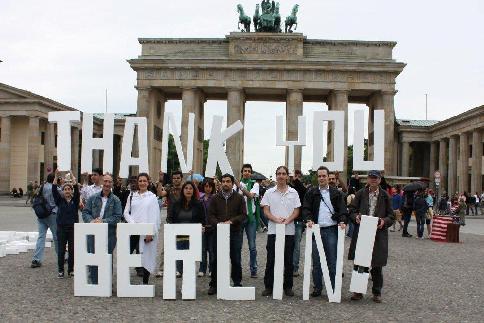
(281, 67)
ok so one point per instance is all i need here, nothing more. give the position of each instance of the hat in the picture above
(374, 173)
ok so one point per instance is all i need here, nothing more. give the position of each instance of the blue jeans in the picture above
(351, 228)
(181, 245)
(420, 225)
(329, 236)
(299, 226)
(251, 230)
(207, 248)
(44, 224)
(93, 270)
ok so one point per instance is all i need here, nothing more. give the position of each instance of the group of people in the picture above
(243, 204)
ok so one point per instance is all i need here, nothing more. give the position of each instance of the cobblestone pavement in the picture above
(425, 281)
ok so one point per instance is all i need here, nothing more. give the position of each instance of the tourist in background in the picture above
(143, 208)
(67, 215)
(96, 187)
(46, 223)
(207, 241)
(349, 199)
(420, 207)
(296, 183)
(250, 191)
(430, 211)
(397, 201)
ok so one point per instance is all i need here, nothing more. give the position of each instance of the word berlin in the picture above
(216, 151)
(103, 260)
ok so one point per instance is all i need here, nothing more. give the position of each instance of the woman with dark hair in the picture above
(186, 210)
(209, 191)
(142, 207)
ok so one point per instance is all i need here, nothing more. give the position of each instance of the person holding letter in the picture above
(227, 207)
(325, 206)
(372, 201)
(186, 210)
(102, 207)
(281, 206)
(143, 208)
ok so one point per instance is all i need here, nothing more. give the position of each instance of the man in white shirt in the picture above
(250, 190)
(89, 190)
(281, 206)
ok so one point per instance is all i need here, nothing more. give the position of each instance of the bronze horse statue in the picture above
(292, 20)
(243, 19)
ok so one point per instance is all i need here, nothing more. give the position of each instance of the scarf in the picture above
(250, 212)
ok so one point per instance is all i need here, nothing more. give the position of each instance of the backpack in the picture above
(39, 205)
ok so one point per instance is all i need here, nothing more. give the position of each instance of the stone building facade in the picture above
(454, 147)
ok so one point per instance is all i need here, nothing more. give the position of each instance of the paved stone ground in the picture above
(425, 281)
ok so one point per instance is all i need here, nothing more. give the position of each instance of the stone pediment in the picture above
(7, 92)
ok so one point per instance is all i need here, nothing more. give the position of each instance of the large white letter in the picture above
(63, 119)
(102, 259)
(363, 253)
(216, 153)
(279, 261)
(378, 161)
(334, 296)
(89, 143)
(224, 290)
(125, 260)
(127, 158)
(189, 257)
(169, 122)
(338, 117)
(301, 131)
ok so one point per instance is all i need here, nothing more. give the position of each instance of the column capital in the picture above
(294, 90)
(142, 88)
(339, 92)
(389, 92)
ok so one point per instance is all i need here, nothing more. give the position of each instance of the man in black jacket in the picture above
(324, 205)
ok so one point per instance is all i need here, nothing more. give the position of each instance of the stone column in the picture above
(405, 158)
(235, 144)
(433, 158)
(192, 102)
(49, 147)
(476, 170)
(452, 179)
(294, 109)
(370, 132)
(75, 151)
(443, 164)
(5, 155)
(338, 101)
(33, 168)
(146, 110)
(464, 163)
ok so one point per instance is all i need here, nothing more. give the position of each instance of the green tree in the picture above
(172, 159)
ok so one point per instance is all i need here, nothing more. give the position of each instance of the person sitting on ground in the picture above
(14, 192)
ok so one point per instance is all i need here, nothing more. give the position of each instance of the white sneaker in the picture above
(178, 274)
(200, 274)
(159, 274)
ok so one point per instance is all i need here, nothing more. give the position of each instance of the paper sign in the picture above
(188, 256)
(63, 120)
(338, 117)
(216, 153)
(125, 260)
(169, 123)
(224, 290)
(127, 158)
(364, 253)
(101, 258)
(89, 143)
(378, 161)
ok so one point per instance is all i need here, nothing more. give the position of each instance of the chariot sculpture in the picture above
(267, 18)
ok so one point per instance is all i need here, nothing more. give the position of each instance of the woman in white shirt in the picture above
(143, 208)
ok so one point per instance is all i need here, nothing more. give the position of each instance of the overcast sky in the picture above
(71, 51)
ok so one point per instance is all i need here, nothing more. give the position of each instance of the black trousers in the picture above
(65, 236)
(235, 258)
(376, 276)
(146, 276)
(134, 244)
(288, 263)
